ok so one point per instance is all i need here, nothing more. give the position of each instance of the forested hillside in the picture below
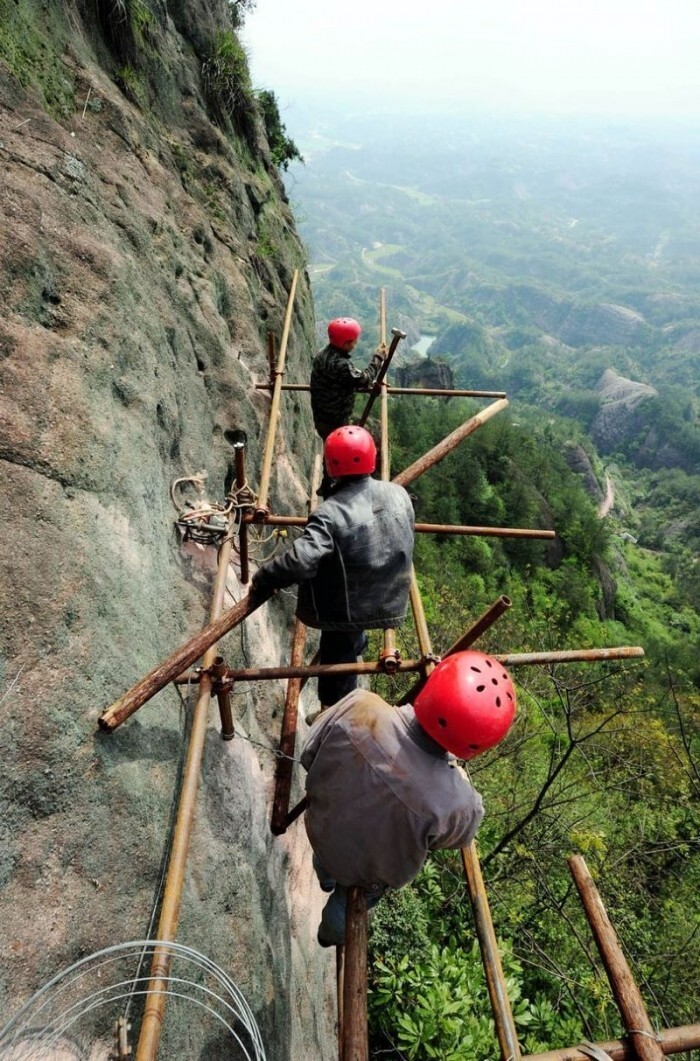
(559, 264)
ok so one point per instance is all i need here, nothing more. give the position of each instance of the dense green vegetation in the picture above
(559, 265)
(603, 759)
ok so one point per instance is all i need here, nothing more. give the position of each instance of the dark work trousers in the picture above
(339, 646)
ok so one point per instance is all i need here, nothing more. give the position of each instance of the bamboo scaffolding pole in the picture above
(498, 992)
(429, 392)
(283, 772)
(420, 623)
(178, 661)
(627, 995)
(262, 507)
(339, 987)
(489, 617)
(486, 620)
(438, 452)
(423, 528)
(243, 527)
(156, 998)
(354, 1042)
(297, 810)
(258, 674)
(495, 980)
(390, 652)
(575, 655)
(384, 452)
(223, 697)
(523, 659)
(438, 392)
(671, 1040)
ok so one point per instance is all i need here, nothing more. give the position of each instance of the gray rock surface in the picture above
(619, 417)
(142, 262)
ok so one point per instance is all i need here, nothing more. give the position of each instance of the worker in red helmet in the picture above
(383, 785)
(353, 560)
(334, 378)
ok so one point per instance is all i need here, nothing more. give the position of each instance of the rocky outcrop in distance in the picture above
(576, 324)
(427, 372)
(619, 417)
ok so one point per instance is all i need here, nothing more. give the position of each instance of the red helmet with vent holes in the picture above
(467, 704)
(350, 451)
(343, 330)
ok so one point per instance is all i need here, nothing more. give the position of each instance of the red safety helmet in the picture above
(350, 451)
(467, 704)
(343, 330)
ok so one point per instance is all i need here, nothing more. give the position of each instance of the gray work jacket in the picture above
(382, 793)
(353, 561)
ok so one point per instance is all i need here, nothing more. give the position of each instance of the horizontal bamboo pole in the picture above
(178, 661)
(256, 674)
(431, 392)
(516, 659)
(574, 655)
(423, 528)
(671, 1040)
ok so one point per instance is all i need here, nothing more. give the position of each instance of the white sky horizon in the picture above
(609, 57)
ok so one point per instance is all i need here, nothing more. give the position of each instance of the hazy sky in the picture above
(611, 56)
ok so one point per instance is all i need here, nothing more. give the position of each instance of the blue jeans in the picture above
(331, 931)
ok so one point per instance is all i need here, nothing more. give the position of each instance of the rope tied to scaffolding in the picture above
(593, 1051)
(201, 520)
(657, 1038)
(242, 497)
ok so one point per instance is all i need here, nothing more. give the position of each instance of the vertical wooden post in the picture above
(262, 508)
(157, 991)
(340, 987)
(283, 773)
(390, 653)
(223, 697)
(495, 980)
(468, 638)
(355, 1046)
(243, 527)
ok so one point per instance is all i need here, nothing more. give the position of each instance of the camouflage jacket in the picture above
(334, 380)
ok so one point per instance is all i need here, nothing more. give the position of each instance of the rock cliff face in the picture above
(425, 373)
(146, 248)
(619, 416)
